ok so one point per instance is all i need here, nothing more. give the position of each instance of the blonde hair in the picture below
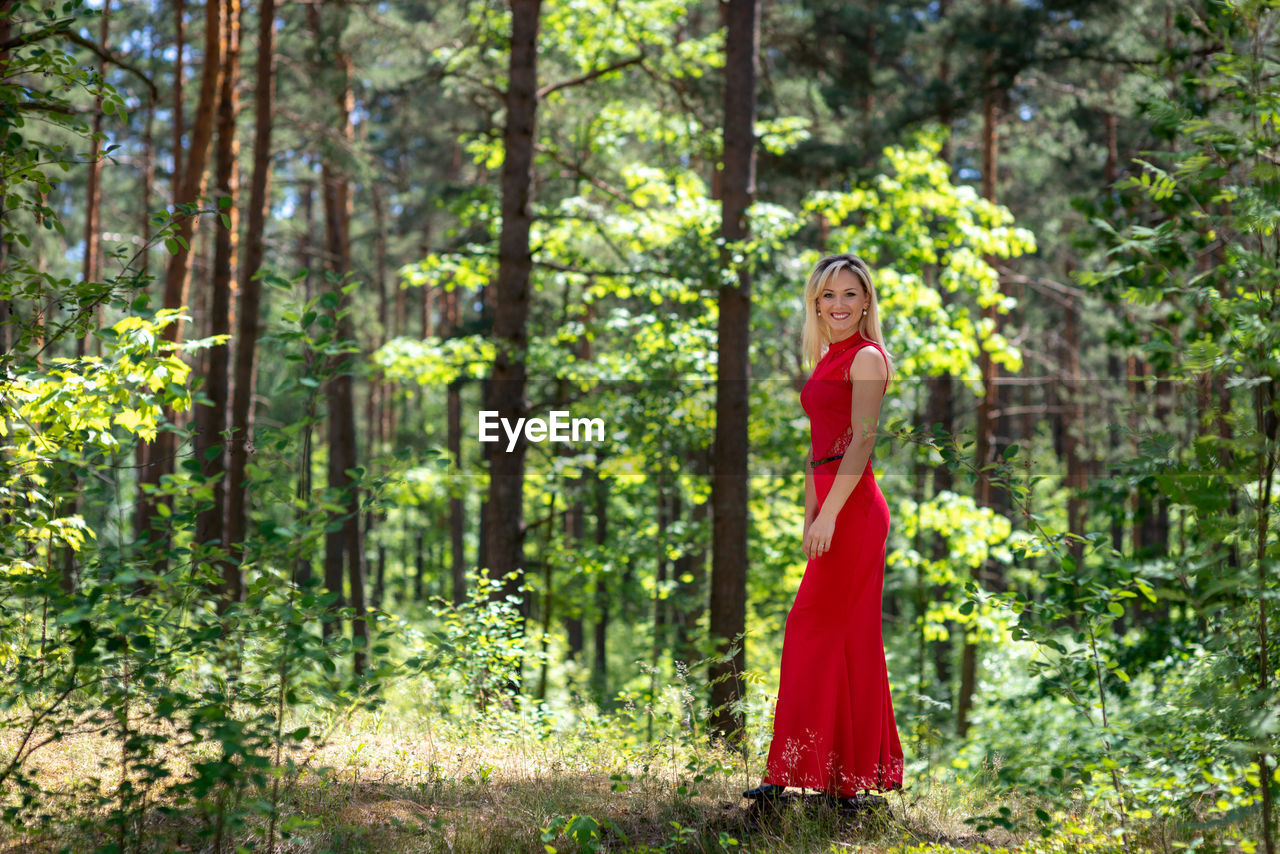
(816, 338)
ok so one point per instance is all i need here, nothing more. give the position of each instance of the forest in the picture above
(401, 446)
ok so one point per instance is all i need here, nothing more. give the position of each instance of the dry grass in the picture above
(404, 783)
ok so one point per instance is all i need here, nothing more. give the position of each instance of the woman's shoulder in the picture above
(869, 363)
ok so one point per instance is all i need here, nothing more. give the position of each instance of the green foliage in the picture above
(927, 237)
(1212, 193)
(478, 647)
(586, 832)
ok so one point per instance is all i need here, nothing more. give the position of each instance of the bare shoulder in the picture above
(868, 364)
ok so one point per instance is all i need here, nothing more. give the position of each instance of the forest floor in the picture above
(400, 782)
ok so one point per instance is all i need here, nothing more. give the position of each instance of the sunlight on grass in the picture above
(405, 779)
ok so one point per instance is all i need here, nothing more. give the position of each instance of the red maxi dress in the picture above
(833, 728)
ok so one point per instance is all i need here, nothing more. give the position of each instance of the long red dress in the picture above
(833, 728)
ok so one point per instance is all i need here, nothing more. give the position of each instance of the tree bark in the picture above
(344, 543)
(179, 47)
(505, 513)
(91, 266)
(210, 444)
(575, 528)
(986, 451)
(940, 411)
(457, 509)
(1072, 428)
(728, 604)
(158, 459)
(250, 306)
(191, 185)
(946, 110)
(148, 171)
(600, 661)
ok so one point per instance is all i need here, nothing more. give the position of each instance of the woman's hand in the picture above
(817, 539)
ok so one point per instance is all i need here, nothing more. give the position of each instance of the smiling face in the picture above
(840, 305)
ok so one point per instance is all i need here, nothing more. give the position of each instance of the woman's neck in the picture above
(835, 341)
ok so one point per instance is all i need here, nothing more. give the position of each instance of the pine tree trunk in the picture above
(148, 172)
(210, 444)
(191, 185)
(575, 528)
(600, 661)
(179, 47)
(986, 450)
(250, 307)
(946, 111)
(1073, 424)
(505, 512)
(91, 269)
(457, 508)
(729, 484)
(345, 543)
(188, 186)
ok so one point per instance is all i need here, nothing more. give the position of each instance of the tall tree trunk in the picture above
(1073, 424)
(600, 661)
(986, 445)
(946, 110)
(344, 543)
(191, 185)
(940, 407)
(148, 169)
(179, 47)
(210, 444)
(250, 287)
(457, 508)
(940, 411)
(505, 512)
(91, 269)
(376, 388)
(188, 186)
(729, 485)
(575, 528)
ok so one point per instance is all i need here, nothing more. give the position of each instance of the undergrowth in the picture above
(404, 779)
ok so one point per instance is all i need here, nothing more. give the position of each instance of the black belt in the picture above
(817, 463)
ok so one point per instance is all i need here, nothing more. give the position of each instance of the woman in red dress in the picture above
(833, 727)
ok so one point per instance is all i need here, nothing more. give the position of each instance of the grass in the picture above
(406, 781)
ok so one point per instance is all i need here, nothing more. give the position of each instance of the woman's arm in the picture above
(868, 374)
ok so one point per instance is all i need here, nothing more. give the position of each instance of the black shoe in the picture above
(765, 792)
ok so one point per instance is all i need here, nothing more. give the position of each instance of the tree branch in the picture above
(36, 36)
(576, 169)
(115, 59)
(589, 76)
(559, 268)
